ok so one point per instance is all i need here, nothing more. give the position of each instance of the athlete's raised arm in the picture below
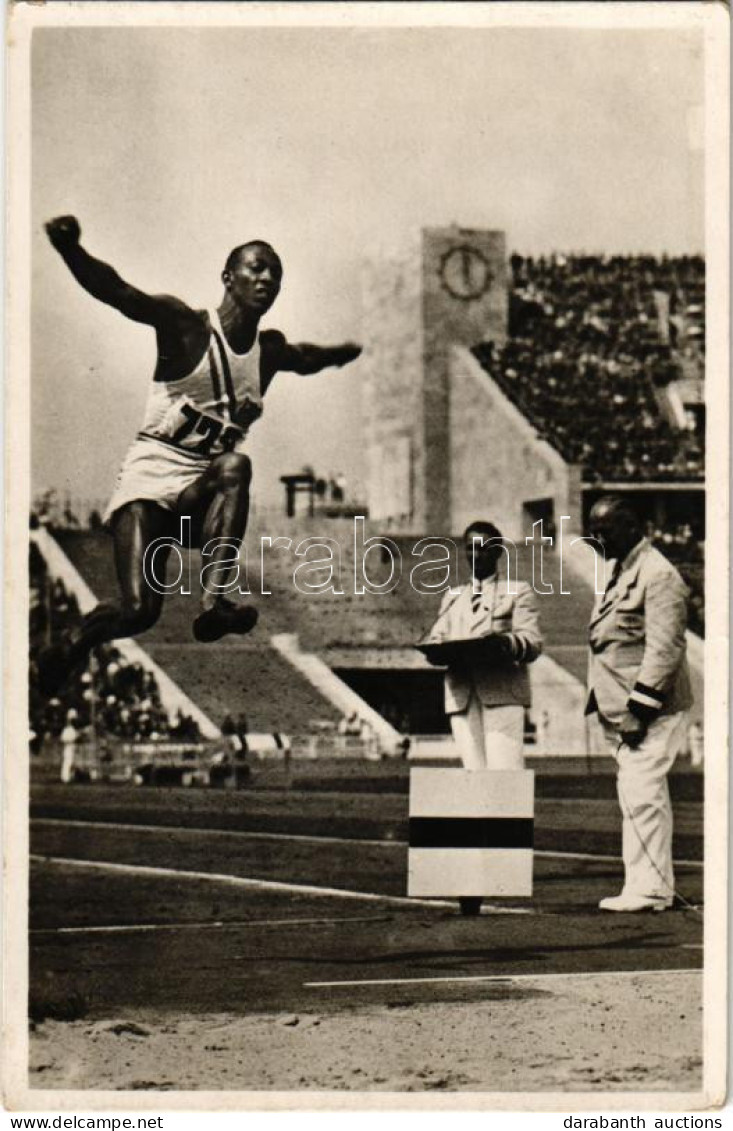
(302, 357)
(103, 282)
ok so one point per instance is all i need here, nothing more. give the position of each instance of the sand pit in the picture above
(634, 1032)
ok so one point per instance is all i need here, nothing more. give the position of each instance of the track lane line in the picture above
(270, 885)
(505, 979)
(207, 925)
(306, 839)
(247, 835)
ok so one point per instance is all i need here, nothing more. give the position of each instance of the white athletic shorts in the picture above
(157, 471)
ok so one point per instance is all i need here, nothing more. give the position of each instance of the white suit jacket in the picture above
(637, 641)
(513, 615)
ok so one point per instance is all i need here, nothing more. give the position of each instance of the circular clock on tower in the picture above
(465, 273)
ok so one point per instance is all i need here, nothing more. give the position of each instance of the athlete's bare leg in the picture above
(219, 504)
(135, 526)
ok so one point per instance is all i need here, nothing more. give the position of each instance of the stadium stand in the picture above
(586, 352)
(236, 674)
(117, 698)
(383, 622)
(367, 639)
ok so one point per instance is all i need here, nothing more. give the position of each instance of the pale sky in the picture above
(172, 146)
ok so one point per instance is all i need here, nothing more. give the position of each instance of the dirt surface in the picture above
(261, 941)
(642, 1032)
(566, 822)
(111, 941)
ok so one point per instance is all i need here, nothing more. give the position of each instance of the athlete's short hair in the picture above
(236, 253)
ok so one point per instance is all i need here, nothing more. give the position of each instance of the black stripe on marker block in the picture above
(471, 832)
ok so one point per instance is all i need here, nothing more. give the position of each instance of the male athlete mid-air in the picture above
(188, 459)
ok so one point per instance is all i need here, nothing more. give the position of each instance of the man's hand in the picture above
(64, 232)
(632, 730)
(349, 351)
(497, 646)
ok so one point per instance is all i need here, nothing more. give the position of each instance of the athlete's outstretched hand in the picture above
(64, 232)
(349, 351)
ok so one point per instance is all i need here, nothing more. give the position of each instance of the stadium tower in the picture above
(442, 444)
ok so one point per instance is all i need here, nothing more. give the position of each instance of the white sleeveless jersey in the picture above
(211, 410)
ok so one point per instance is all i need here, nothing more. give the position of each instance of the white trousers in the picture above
(646, 810)
(67, 762)
(489, 738)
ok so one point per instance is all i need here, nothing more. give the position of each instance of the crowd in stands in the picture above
(51, 512)
(676, 541)
(590, 338)
(236, 731)
(111, 697)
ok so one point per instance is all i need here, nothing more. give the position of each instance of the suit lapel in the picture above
(628, 579)
(480, 621)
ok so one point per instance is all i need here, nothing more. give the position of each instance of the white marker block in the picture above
(471, 834)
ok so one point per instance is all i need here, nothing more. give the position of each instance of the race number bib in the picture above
(198, 432)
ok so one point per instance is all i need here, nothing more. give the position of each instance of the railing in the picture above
(217, 763)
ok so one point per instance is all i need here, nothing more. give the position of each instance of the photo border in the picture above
(713, 20)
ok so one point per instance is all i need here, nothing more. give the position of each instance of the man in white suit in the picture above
(639, 685)
(488, 632)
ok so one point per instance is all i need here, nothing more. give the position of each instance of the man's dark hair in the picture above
(485, 530)
(618, 507)
(236, 253)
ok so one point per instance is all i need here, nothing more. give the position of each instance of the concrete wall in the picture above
(498, 463)
(464, 302)
(449, 289)
(392, 403)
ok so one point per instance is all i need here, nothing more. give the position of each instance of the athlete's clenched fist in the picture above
(63, 232)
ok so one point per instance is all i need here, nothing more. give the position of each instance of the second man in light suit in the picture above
(640, 686)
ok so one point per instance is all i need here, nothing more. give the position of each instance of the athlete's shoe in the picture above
(629, 903)
(54, 668)
(225, 617)
(470, 905)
